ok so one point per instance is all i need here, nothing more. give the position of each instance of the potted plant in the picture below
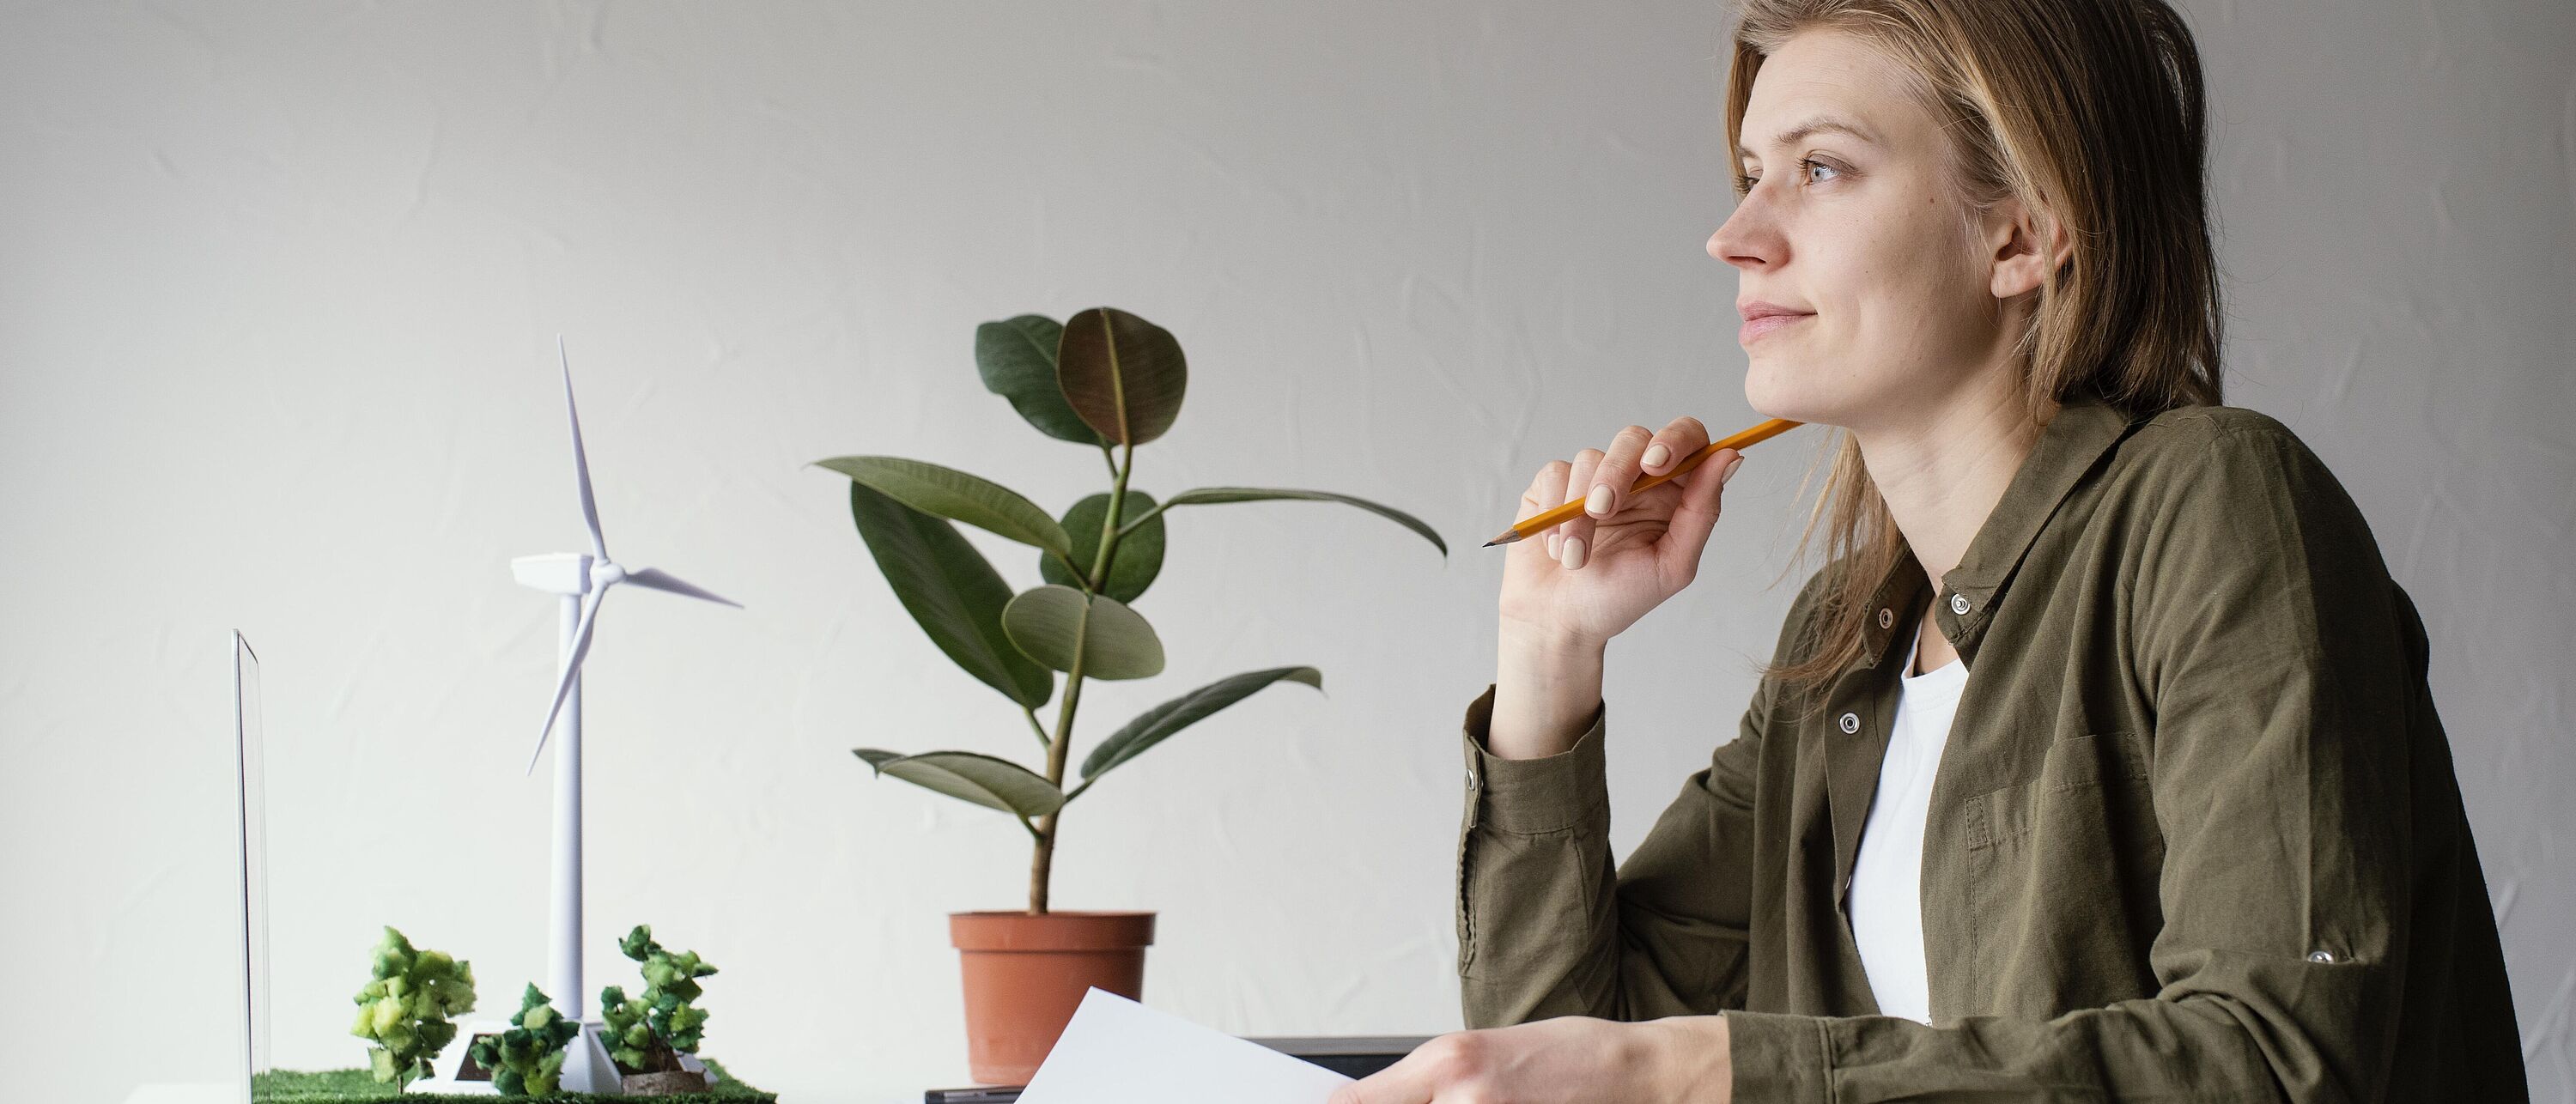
(1104, 379)
(403, 1009)
(528, 1059)
(655, 1035)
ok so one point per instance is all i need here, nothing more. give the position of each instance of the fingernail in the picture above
(1656, 454)
(1573, 553)
(1731, 465)
(1598, 502)
(1554, 544)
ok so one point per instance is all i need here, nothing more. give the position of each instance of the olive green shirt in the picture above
(2195, 834)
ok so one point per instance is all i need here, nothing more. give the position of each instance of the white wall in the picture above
(278, 285)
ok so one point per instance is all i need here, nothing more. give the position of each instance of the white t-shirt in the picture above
(1887, 875)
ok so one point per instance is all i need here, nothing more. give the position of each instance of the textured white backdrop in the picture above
(279, 284)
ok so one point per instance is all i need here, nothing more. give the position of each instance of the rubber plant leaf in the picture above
(1051, 624)
(1155, 725)
(950, 590)
(967, 776)
(1016, 357)
(955, 495)
(1207, 495)
(1140, 552)
(1122, 375)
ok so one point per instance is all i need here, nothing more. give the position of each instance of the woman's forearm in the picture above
(1692, 1060)
(1546, 687)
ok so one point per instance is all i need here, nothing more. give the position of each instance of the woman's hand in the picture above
(1591, 578)
(1561, 1061)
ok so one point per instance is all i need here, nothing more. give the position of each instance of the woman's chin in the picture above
(1772, 396)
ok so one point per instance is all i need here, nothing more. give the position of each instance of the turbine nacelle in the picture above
(577, 573)
(554, 573)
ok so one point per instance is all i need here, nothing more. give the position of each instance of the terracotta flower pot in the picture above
(1025, 974)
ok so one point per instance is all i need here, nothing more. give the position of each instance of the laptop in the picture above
(250, 802)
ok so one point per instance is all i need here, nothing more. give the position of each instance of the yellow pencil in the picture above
(1549, 519)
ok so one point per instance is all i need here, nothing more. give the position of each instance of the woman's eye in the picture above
(1811, 171)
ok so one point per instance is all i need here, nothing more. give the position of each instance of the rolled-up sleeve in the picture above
(1545, 926)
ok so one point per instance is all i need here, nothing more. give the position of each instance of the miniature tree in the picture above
(651, 1031)
(528, 1059)
(404, 1009)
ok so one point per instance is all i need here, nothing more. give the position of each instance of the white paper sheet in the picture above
(1117, 1051)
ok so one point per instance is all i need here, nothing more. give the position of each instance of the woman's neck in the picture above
(1943, 470)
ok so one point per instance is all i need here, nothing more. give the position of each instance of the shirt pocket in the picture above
(2062, 878)
(2078, 763)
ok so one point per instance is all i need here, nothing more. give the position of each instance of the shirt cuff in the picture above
(1777, 1057)
(1534, 796)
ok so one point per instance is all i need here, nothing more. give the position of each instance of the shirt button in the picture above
(1851, 722)
(1886, 618)
(2321, 956)
(1959, 604)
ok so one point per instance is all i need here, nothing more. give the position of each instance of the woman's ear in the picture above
(2020, 265)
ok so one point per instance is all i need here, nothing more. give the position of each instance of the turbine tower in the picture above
(580, 580)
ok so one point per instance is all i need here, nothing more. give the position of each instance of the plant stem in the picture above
(1142, 518)
(1042, 864)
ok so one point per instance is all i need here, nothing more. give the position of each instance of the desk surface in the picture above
(1349, 1055)
(1356, 1049)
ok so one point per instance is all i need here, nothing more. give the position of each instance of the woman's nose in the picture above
(1748, 239)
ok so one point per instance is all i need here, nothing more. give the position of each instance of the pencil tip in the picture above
(1506, 538)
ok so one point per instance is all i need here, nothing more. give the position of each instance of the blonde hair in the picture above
(2090, 113)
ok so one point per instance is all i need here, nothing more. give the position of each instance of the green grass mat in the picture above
(357, 1086)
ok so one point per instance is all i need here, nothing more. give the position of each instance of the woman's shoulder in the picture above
(2215, 459)
(2236, 485)
(2186, 429)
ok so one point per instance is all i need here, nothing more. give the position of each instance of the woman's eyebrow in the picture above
(1820, 124)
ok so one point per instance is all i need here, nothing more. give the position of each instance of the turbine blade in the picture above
(581, 460)
(655, 578)
(571, 669)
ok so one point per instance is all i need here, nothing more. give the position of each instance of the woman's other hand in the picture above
(1561, 1061)
(1591, 578)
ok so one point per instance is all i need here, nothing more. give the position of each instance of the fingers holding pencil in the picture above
(1592, 574)
(1606, 481)
(1626, 462)
(1580, 578)
(1543, 521)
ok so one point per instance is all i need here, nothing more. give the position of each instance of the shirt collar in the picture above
(2084, 428)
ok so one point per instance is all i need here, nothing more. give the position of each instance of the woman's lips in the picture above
(1758, 326)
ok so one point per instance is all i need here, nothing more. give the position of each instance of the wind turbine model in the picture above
(582, 579)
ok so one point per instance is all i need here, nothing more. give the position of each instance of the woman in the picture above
(2098, 762)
